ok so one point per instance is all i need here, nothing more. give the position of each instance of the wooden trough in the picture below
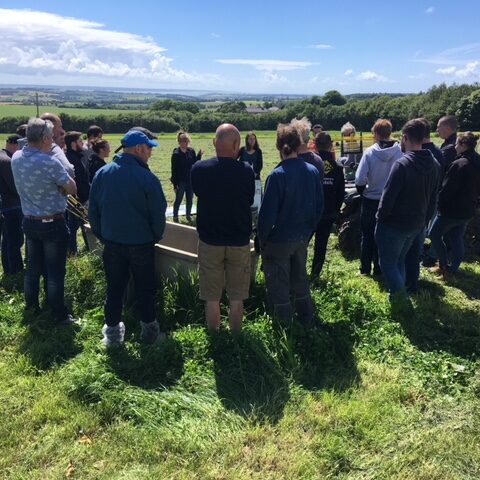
(175, 254)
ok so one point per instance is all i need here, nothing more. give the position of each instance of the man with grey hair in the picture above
(225, 189)
(42, 184)
(303, 127)
(59, 142)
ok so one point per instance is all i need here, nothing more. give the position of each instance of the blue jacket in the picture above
(127, 204)
(293, 203)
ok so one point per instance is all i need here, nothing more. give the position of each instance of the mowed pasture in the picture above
(14, 110)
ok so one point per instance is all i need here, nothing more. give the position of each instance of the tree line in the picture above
(331, 110)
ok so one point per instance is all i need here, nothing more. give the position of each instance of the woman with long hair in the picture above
(101, 150)
(252, 154)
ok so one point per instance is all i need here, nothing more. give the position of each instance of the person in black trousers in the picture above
(333, 193)
(183, 158)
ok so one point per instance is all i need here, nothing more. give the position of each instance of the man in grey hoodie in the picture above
(370, 180)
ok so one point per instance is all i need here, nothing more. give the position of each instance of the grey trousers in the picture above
(286, 279)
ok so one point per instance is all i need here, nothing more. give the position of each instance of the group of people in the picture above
(412, 190)
(408, 190)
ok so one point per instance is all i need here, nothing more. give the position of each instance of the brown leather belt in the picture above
(46, 218)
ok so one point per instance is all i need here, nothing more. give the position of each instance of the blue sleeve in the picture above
(58, 172)
(157, 205)
(269, 209)
(93, 209)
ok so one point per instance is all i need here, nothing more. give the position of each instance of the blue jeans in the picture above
(452, 231)
(47, 256)
(368, 221)
(183, 188)
(12, 241)
(412, 262)
(119, 262)
(393, 245)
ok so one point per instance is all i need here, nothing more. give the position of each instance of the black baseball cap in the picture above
(13, 139)
(146, 131)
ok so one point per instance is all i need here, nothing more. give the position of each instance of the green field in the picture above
(10, 110)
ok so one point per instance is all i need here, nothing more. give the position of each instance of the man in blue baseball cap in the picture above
(127, 213)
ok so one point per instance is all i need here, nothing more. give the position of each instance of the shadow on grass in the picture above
(468, 281)
(148, 366)
(249, 379)
(435, 325)
(47, 344)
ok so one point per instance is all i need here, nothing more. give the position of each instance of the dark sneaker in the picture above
(150, 333)
(68, 321)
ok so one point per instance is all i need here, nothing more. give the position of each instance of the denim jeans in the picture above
(119, 262)
(412, 262)
(47, 256)
(184, 188)
(368, 221)
(74, 223)
(12, 241)
(449, 230)
(393, 245)
(324, 228)
(285, 268)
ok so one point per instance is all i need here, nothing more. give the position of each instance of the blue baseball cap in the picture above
(135, 137)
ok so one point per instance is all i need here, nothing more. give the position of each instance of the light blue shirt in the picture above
(37, 176)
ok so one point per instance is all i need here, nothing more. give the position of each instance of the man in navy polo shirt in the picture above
(225, 189)
(42, 184)
(127, 213)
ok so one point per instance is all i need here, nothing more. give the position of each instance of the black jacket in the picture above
(438, 154)
(448, 150)
(81, 174)
(255, 161)
(182, 163)
(460, 190)
(333, 185)
(95, 163)
(8, 191)
(410, 193)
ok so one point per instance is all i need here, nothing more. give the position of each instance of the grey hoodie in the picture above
(374, 168)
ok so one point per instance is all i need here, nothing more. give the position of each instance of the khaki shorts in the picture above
(223, 267)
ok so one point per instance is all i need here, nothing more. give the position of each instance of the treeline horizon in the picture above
(331, 110)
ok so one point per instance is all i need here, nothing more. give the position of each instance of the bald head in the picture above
(227, 141)
(58, 131)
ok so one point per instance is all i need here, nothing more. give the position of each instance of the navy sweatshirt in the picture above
(225, 189)
(182, 163)
(292, 204)
(409, 197)
(82, 179)
(448, 150)
(460, 190)
(437, 153)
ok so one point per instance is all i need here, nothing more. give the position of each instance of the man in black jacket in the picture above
(407, 201)
(12, 234)
(75, 155)
(447, 131)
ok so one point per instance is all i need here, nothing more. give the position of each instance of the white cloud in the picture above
(215, 35)
(348, 72)
(49, 44)
(267, 65)
(321, 46)
(430, 10)
(371, 76)
(471, 69)
(417, 76)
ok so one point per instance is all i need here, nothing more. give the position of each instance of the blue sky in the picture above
(249, 46)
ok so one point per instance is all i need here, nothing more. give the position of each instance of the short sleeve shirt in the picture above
(37, 177)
